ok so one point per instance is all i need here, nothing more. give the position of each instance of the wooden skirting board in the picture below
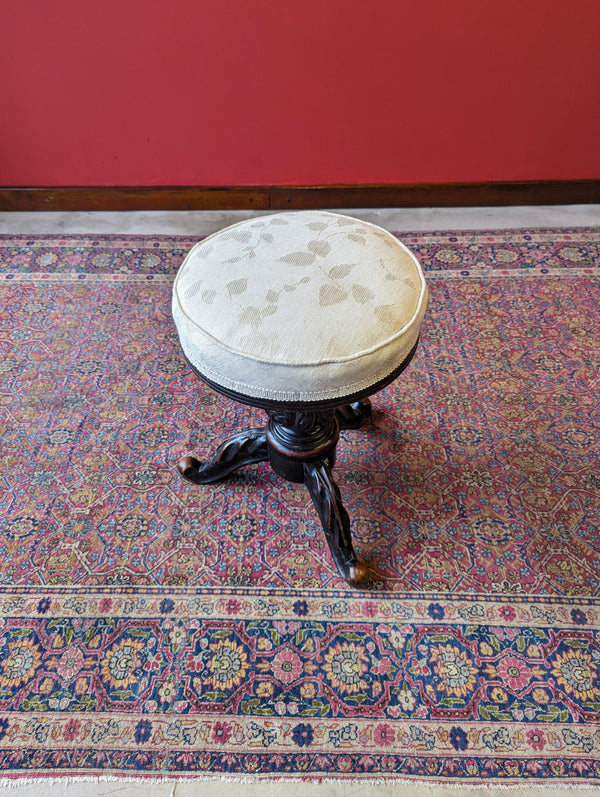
(122, 198)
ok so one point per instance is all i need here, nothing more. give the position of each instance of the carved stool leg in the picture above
(242, 449)
(334, 519)
(353, 416)
(301, 448)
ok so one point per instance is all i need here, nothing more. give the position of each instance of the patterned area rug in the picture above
(154, 628)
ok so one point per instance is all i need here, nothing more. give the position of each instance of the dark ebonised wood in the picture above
(299, 442)
(300, 197)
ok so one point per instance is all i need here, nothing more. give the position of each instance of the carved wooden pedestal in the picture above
(300, 447)
(299, 442)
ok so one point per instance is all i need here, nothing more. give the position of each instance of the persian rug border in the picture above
(360, 602)
(444, 748)
(530, 234)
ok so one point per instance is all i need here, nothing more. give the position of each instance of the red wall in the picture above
(242, 92)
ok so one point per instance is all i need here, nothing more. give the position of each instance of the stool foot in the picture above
(334, 519)
(353, 416)
(241, 449)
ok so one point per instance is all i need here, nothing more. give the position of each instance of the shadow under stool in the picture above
(304, 315)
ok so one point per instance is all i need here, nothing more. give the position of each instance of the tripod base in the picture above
(300, 447)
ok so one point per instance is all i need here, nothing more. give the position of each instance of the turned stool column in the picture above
(305, 315)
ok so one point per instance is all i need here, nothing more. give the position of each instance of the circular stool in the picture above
(304, 315)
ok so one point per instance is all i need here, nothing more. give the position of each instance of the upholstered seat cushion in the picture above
(305, 306)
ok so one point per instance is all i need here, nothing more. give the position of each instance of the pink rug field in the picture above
(153, 628)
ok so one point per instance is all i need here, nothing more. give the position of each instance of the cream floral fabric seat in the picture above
(299, 307)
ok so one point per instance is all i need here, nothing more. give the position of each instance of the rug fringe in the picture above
(418, 788)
